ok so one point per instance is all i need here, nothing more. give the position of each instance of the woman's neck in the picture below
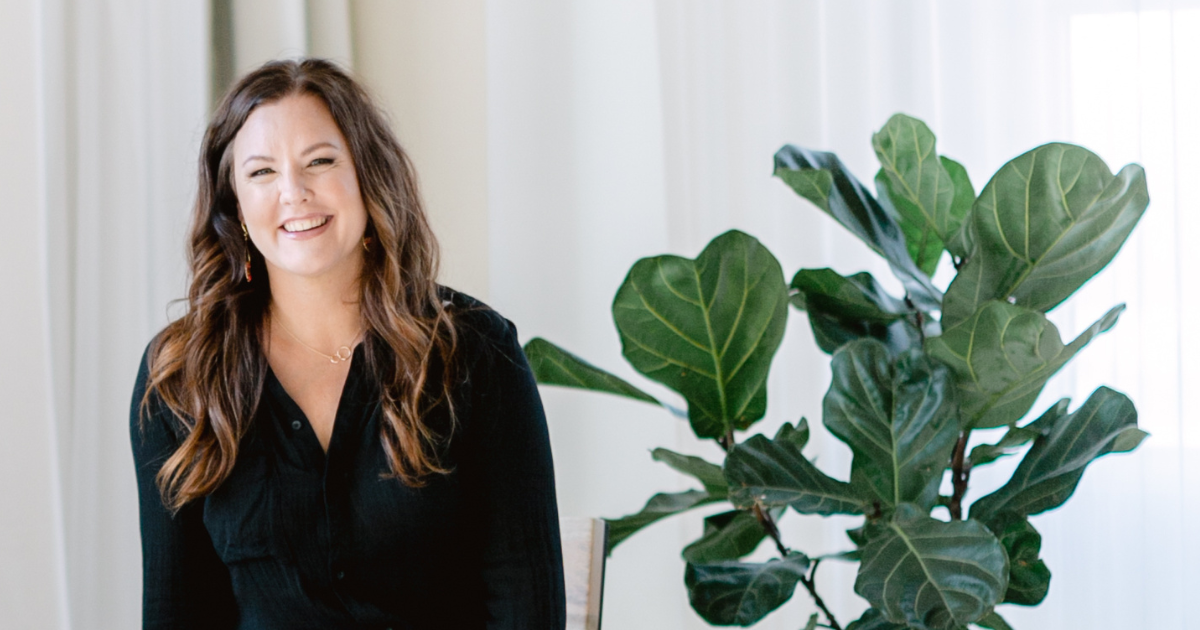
(321, 312)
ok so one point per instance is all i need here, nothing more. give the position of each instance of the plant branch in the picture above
(919, 315)
(810, 583)
(960, 474)
(726, 440)
(768, 524)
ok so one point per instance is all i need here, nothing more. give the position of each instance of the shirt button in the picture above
(296, 424)
(341, 575)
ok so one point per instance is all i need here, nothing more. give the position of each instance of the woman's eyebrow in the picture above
(319, 145)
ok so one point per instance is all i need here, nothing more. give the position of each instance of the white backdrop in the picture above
(613, 130)
(620, 130)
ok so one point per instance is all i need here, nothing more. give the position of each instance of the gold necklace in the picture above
(342, 355)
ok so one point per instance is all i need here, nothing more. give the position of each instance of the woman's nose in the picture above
(293, 189)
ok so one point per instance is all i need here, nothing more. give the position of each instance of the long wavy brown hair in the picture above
(208, 367)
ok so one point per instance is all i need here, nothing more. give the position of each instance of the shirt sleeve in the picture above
(522, 554)
(184, 582)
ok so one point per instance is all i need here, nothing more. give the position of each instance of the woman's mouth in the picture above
(304, 225)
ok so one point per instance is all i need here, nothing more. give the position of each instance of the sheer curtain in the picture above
(993, 80)
(103, 107)
(614, 130)
(617, 131)
(111, 97)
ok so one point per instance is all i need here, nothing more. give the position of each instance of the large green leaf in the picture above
(842, 309)
(659, 506)
(919, 187)
(775, 472)
(663, 505)
(552, 365)
(958, 241)
(821, 178)
(931, 574)
(1050, 471)
(727, 536)
(924, 245)
(897, 415)
(741, 593)
(797, 435)
(993, 621)
(1016, 437)
(1047, 222)
(874, 620)
(1028, 575)
(702, 470)
(707, 328)
(1003, 356)
(857, 297)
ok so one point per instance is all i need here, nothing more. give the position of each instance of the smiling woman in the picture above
(328, 438)
(295, 181)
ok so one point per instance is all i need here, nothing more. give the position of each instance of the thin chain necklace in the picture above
(342, 355)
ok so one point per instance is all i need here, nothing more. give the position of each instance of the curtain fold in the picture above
(32, 574)
(582, 136)
(123, 103)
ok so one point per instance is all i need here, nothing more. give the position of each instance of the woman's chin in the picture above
(310, 269)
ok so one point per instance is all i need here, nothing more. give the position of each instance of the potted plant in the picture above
(912, 377)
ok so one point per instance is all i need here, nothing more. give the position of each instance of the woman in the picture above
(328, 439)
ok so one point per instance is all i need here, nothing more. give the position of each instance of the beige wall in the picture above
(426, 62)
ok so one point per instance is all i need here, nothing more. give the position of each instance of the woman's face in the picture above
(297, 189)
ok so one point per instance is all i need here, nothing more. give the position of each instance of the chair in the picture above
(583, 542)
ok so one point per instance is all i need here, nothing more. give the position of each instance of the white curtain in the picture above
(620, 129)
(103, 108)
(615, 129)
(111, 103)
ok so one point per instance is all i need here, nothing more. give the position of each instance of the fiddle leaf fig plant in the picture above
(913, 376)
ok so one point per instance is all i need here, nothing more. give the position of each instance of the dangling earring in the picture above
(367, 243)
(246, 239)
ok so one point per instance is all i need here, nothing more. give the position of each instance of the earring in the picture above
(246, 239)
(367, 243)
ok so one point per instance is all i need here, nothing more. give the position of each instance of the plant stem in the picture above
(726, 440)
(960, 474)
(768, 524)
(810, 583)
(919, 316)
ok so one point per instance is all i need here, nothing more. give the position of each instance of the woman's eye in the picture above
(321, 161)
(261, 171)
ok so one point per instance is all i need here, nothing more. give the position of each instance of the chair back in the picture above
(583, 542)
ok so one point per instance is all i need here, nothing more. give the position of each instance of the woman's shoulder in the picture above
(486, 340)
(147, 408)
(145, 363)
(476, 322)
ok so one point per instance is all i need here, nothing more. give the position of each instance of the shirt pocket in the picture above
(240, 515)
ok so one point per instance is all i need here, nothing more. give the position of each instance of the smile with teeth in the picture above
(303, 225)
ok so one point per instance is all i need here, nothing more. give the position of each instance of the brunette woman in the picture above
(328, 438)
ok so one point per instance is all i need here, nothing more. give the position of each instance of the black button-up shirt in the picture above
(300, 538)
